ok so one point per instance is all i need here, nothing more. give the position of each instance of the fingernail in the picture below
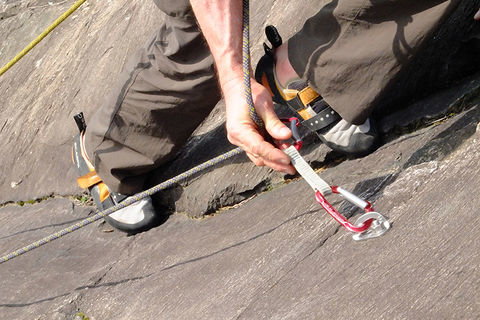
(284, 161)
(284, 131)
(290, 172)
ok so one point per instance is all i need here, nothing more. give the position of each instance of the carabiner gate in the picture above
(369, 225)
(293, 123)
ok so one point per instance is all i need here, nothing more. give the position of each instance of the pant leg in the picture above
(352, 50)
(164, 93)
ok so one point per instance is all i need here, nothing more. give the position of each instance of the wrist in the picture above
(230, 76)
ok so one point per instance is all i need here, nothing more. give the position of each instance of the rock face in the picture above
(275, 256)
(73, 69)
(66, 73)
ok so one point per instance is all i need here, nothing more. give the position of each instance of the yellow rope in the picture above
(41, 36)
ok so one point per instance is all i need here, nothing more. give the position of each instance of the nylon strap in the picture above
(322, 119)
(88, 180)
(304, 169)
(307, 95)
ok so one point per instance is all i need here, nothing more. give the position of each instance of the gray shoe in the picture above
(350, 139)
(137, 217)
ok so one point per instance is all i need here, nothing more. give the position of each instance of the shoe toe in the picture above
(362, 144)
(350, 139)
(137, 217)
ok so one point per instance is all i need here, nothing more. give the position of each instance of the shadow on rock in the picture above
(448, 140)
(42, 227)
(94, 286)
(178, 264)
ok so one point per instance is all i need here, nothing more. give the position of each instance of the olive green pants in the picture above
(350, 51)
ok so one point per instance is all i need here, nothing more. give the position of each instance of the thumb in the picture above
(477, 15)
(264, 107)
(275, 128)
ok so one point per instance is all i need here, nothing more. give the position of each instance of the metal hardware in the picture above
(293, 123)
(341, 218)
(379, 226)
(369, 225)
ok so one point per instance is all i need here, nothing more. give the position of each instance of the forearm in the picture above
(221, 24)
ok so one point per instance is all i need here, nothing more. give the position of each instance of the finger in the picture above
(269, 153)
(259, 162)
(477, 15)
(275, 158)
(288, 169)
(256, 159)
(261, 153)
(248, 138)
(275, 128)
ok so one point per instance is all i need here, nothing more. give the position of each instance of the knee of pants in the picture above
(175, 8)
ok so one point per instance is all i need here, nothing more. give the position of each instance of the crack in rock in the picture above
(271, 287)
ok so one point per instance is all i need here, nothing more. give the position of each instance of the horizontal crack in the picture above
(79, 200)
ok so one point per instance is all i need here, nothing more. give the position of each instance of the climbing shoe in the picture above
(137, 217)
(317, 115)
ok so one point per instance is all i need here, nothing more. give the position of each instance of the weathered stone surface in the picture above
(37, 129)
(428, 274)
(53, 273)
(278, 256)
(70, 71)
(433, 108)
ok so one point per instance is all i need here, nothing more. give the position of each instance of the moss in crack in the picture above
(80, 200)
(83, 200)
(80, 316)
(33, 201)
